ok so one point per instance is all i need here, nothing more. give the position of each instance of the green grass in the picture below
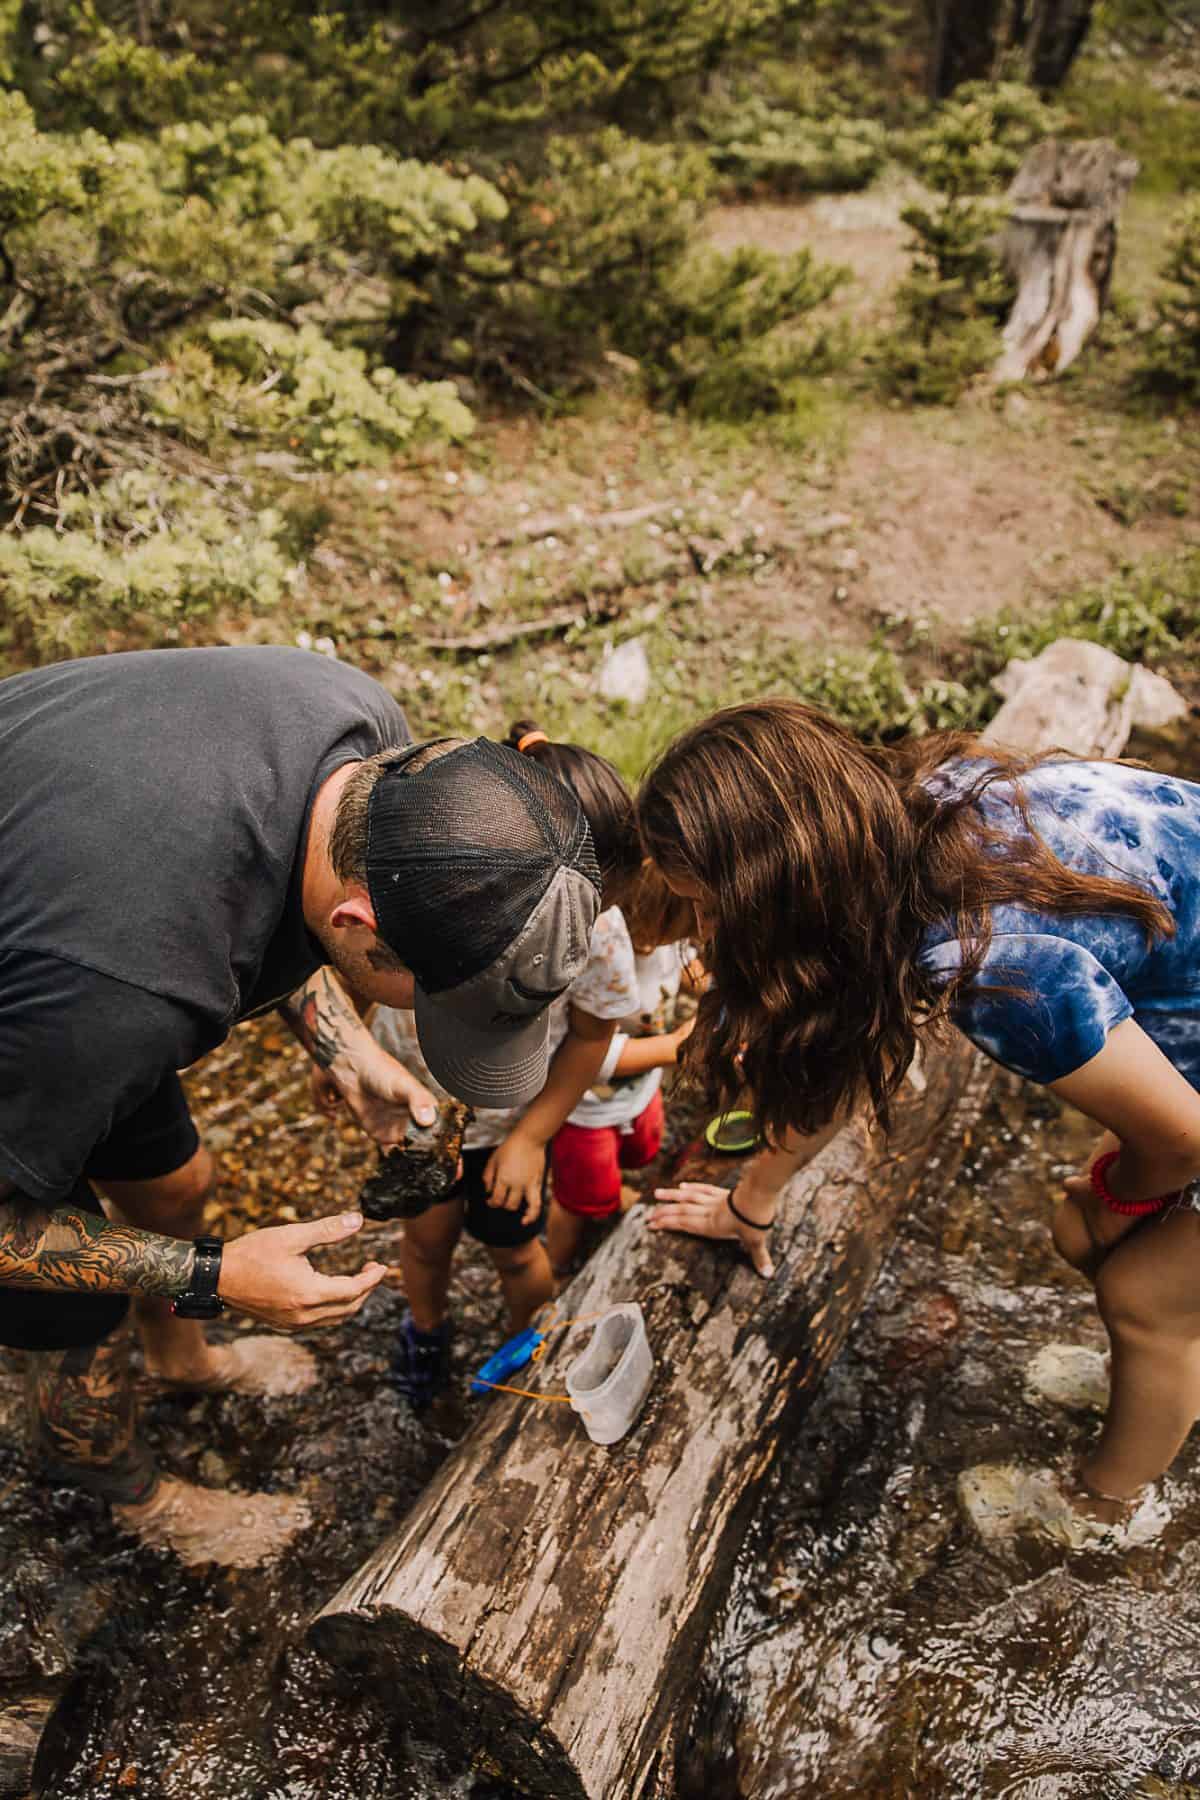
(1119, 101)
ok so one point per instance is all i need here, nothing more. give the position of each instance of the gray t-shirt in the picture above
(153, 813)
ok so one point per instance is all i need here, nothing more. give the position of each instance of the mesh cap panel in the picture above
(461, 852)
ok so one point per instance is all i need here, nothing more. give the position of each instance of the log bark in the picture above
(1059, 245)
(542, 1608)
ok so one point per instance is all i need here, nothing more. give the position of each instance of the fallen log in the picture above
(1059, 245)
(541, 1610)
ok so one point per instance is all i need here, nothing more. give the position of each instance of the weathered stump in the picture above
(1059, 245)
(541, 1610)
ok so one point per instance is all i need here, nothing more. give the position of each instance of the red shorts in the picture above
(587, 1161)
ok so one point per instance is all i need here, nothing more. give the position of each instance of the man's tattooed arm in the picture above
(378, 1090)
(325, 1019)
(64, 1247)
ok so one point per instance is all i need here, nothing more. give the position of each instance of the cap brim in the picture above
(484, 1068)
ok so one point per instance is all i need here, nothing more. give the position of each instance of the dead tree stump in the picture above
(1059, 246)
(540, 1612)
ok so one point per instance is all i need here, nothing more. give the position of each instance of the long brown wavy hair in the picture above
(823, 863)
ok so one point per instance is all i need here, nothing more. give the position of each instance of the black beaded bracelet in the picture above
(741, 1217)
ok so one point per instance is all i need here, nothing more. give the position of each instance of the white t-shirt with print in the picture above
(607, 987)
(619, 1101)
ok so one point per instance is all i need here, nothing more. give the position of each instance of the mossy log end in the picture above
(541, 1611)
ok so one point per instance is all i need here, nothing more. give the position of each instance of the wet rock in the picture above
(924, 1329)
(1070, 1376)
(20, 1732)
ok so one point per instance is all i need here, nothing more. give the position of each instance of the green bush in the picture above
(261, 379)
(1148, 612)
(121, 256)
(437, 80)
(593, 257)
(1172, 361)
(975, 142)
(756, 145)
(137, 562)
(720, 335)
(949, 304)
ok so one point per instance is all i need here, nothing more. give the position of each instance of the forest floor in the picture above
(488, 582)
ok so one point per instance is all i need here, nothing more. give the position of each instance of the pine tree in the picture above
(1172, 365)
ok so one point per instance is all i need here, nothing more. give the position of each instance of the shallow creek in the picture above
(871, 1646)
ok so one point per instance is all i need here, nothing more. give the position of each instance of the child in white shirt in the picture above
(500, 1197)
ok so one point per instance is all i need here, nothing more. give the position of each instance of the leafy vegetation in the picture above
(956, 291)
(1172, 361)
(757, 145)
(258, 269)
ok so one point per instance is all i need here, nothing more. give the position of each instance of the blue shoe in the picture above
(421, 1363)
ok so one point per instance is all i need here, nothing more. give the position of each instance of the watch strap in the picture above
(200, 1298)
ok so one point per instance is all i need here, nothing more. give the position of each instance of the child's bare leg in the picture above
(564, 1234)
(525, 1277)
(1148, 1291)
(1073, 1240)
(426, 1256)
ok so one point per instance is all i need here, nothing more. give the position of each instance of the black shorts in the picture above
(494, 1226)
(156, 1139)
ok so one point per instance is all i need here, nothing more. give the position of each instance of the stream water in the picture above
(871, 1645)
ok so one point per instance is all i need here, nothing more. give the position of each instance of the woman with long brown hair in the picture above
(849, 900)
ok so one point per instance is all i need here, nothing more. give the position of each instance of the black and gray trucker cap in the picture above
(484, 881)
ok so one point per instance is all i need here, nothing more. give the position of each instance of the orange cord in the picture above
(499, 1387)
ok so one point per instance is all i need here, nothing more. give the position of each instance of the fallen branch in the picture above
(563, 524)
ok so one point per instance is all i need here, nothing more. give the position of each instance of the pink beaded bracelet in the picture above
(1132, 1209)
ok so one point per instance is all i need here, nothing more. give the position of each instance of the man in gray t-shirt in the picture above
(189, 837)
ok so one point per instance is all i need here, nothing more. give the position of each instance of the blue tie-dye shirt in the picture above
(1085, 973)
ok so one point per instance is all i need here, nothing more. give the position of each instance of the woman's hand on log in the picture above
(267, 1275)
(703, 1210)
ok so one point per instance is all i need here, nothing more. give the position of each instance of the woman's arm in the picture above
(516, 1168)
(704, 1211)
(1138, 1095)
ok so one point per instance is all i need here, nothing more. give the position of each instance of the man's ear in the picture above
(354, 909)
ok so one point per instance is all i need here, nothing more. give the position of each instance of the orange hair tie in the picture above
(530, 738)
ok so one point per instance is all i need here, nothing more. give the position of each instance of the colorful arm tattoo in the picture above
(323, 1017)
(65, 1247)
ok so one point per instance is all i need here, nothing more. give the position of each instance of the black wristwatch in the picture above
(200, 1300)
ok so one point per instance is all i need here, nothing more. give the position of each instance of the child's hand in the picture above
(679, 1037)
(514, 1175)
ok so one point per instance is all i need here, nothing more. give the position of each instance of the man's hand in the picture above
(382, 1095)
(703, 1210)
(379, 1091)
(267, 1275)
(515, 1173)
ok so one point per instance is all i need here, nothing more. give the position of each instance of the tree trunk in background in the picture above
(1059, 246)
(974, 40)
(1056, 35)
(967, 36)
(541, 1610)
